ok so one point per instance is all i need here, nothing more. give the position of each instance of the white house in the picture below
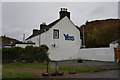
(61, 36)
(23, 45)
(114, 44)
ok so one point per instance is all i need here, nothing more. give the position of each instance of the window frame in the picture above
(54, 37)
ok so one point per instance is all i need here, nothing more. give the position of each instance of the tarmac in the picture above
(111, 69)
(105, 65)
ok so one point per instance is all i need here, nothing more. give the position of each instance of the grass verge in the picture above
(79, 68)
(24, 65)
(0, 71)
(15, 74)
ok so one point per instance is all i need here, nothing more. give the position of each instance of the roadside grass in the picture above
(0, 71)
(79, 69)
(15, 74)
(24, 65)
(18, 65)
(7, 73)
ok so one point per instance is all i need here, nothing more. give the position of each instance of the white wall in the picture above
(35, 40)
(23, 45)
(100, 54)
(114, 45)
(64, 49)
(7, 46)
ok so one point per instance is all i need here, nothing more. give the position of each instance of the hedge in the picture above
(27, 54)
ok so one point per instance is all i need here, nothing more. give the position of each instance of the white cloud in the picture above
(22, 17)
(0, 18)
(60, 0)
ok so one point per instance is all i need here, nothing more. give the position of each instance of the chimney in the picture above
(35, 31)
(43, 26)
(64, 13)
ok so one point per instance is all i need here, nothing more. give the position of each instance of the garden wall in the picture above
(98, 54)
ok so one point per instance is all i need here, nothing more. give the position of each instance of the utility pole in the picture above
(23, 37)
(83, 37)
(39, 39)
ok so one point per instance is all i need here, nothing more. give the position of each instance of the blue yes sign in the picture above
(67, 37)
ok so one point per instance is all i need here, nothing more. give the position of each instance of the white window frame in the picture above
(55, 34)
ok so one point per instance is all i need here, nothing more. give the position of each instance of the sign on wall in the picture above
(67, 37)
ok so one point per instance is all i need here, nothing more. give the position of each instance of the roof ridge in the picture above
(47, 28)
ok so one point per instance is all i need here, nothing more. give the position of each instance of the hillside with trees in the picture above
(100, 33)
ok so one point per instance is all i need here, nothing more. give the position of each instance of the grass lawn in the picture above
(24, 65)
(0, 71)
(79, 68)
(8, 72)
(15, 74)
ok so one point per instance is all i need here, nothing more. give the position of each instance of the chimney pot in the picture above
(43, 23)
(64, 13)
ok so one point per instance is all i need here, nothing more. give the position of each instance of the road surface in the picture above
(101, 74)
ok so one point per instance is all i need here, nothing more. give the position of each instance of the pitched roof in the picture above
(115, 41)
(45, 29)
(8, 44)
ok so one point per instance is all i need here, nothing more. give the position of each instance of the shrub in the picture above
(10, 54)
(16, 53)
(29, 54)
(44, 47)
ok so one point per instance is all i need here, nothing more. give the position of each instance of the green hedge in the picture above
(28, 54)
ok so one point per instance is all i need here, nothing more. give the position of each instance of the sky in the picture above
(20, 18)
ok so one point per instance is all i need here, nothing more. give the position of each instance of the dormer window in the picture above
(55, 34)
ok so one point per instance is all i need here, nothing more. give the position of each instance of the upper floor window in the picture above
(55, 34)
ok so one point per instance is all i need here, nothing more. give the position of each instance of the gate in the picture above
(117, 54)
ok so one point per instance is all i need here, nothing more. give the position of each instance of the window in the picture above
(55, 34)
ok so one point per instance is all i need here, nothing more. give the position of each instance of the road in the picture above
(106, 65)
(101, 74)
(110, 72)
(111, 69)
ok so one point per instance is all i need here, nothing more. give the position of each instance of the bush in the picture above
(10, 54)
(44, 47)
(29, 54)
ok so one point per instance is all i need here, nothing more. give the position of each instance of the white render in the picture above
(64, 49)
(35, 40)
(98, 54)
(23, 45)
(114, 45)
